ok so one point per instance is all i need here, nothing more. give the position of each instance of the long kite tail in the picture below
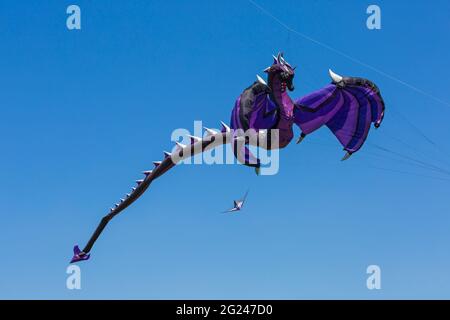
(197, 145)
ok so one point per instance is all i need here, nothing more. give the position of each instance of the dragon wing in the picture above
(254, 109)
(347, 107)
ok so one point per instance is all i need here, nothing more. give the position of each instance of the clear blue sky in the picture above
(84, 112)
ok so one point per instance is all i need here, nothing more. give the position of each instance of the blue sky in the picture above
(84, 112)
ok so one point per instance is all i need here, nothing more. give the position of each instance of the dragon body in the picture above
(347, 106)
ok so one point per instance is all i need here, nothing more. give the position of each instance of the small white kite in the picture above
(238, 204)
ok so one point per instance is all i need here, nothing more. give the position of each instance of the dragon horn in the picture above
(182, 146)
(279, 57)
(260, 80)
(210, 131)
(347, 155)
(156, 163)
(275, 60)
(335, 77)
(225, 128)
(194, 139)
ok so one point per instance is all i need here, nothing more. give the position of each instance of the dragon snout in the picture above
(290, 86)
(287, 80)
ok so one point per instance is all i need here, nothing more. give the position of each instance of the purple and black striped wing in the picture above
(347, 108)
(254, 109)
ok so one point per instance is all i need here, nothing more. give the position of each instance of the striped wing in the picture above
(347, 108)
(254, 109)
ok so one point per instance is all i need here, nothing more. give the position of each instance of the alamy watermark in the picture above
(373, 22)
(73, 281)
(254, 147)
(73, 21)
(374, 279)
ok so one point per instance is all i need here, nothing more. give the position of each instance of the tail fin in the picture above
(79, 255)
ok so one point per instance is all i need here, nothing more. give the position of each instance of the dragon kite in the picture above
(347, 106)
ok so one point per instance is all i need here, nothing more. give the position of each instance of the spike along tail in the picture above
(198, 145)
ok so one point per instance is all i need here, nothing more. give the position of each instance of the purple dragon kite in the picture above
(347, 107)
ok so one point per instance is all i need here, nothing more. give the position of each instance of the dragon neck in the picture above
(281, 97)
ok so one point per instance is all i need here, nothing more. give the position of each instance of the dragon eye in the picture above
(285, 75)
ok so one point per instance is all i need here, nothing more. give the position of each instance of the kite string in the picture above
(292, 30)
(369, 165)
(405, 161)
(383, 73)
(416, 151)
(384, 149)
(408, 173)
(345, 55)
(431, 166)
(408, 158)
(380, 156)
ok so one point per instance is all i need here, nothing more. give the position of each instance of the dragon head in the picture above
(281, 72)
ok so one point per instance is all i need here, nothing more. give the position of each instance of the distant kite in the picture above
(237, 204)
(347, 106)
